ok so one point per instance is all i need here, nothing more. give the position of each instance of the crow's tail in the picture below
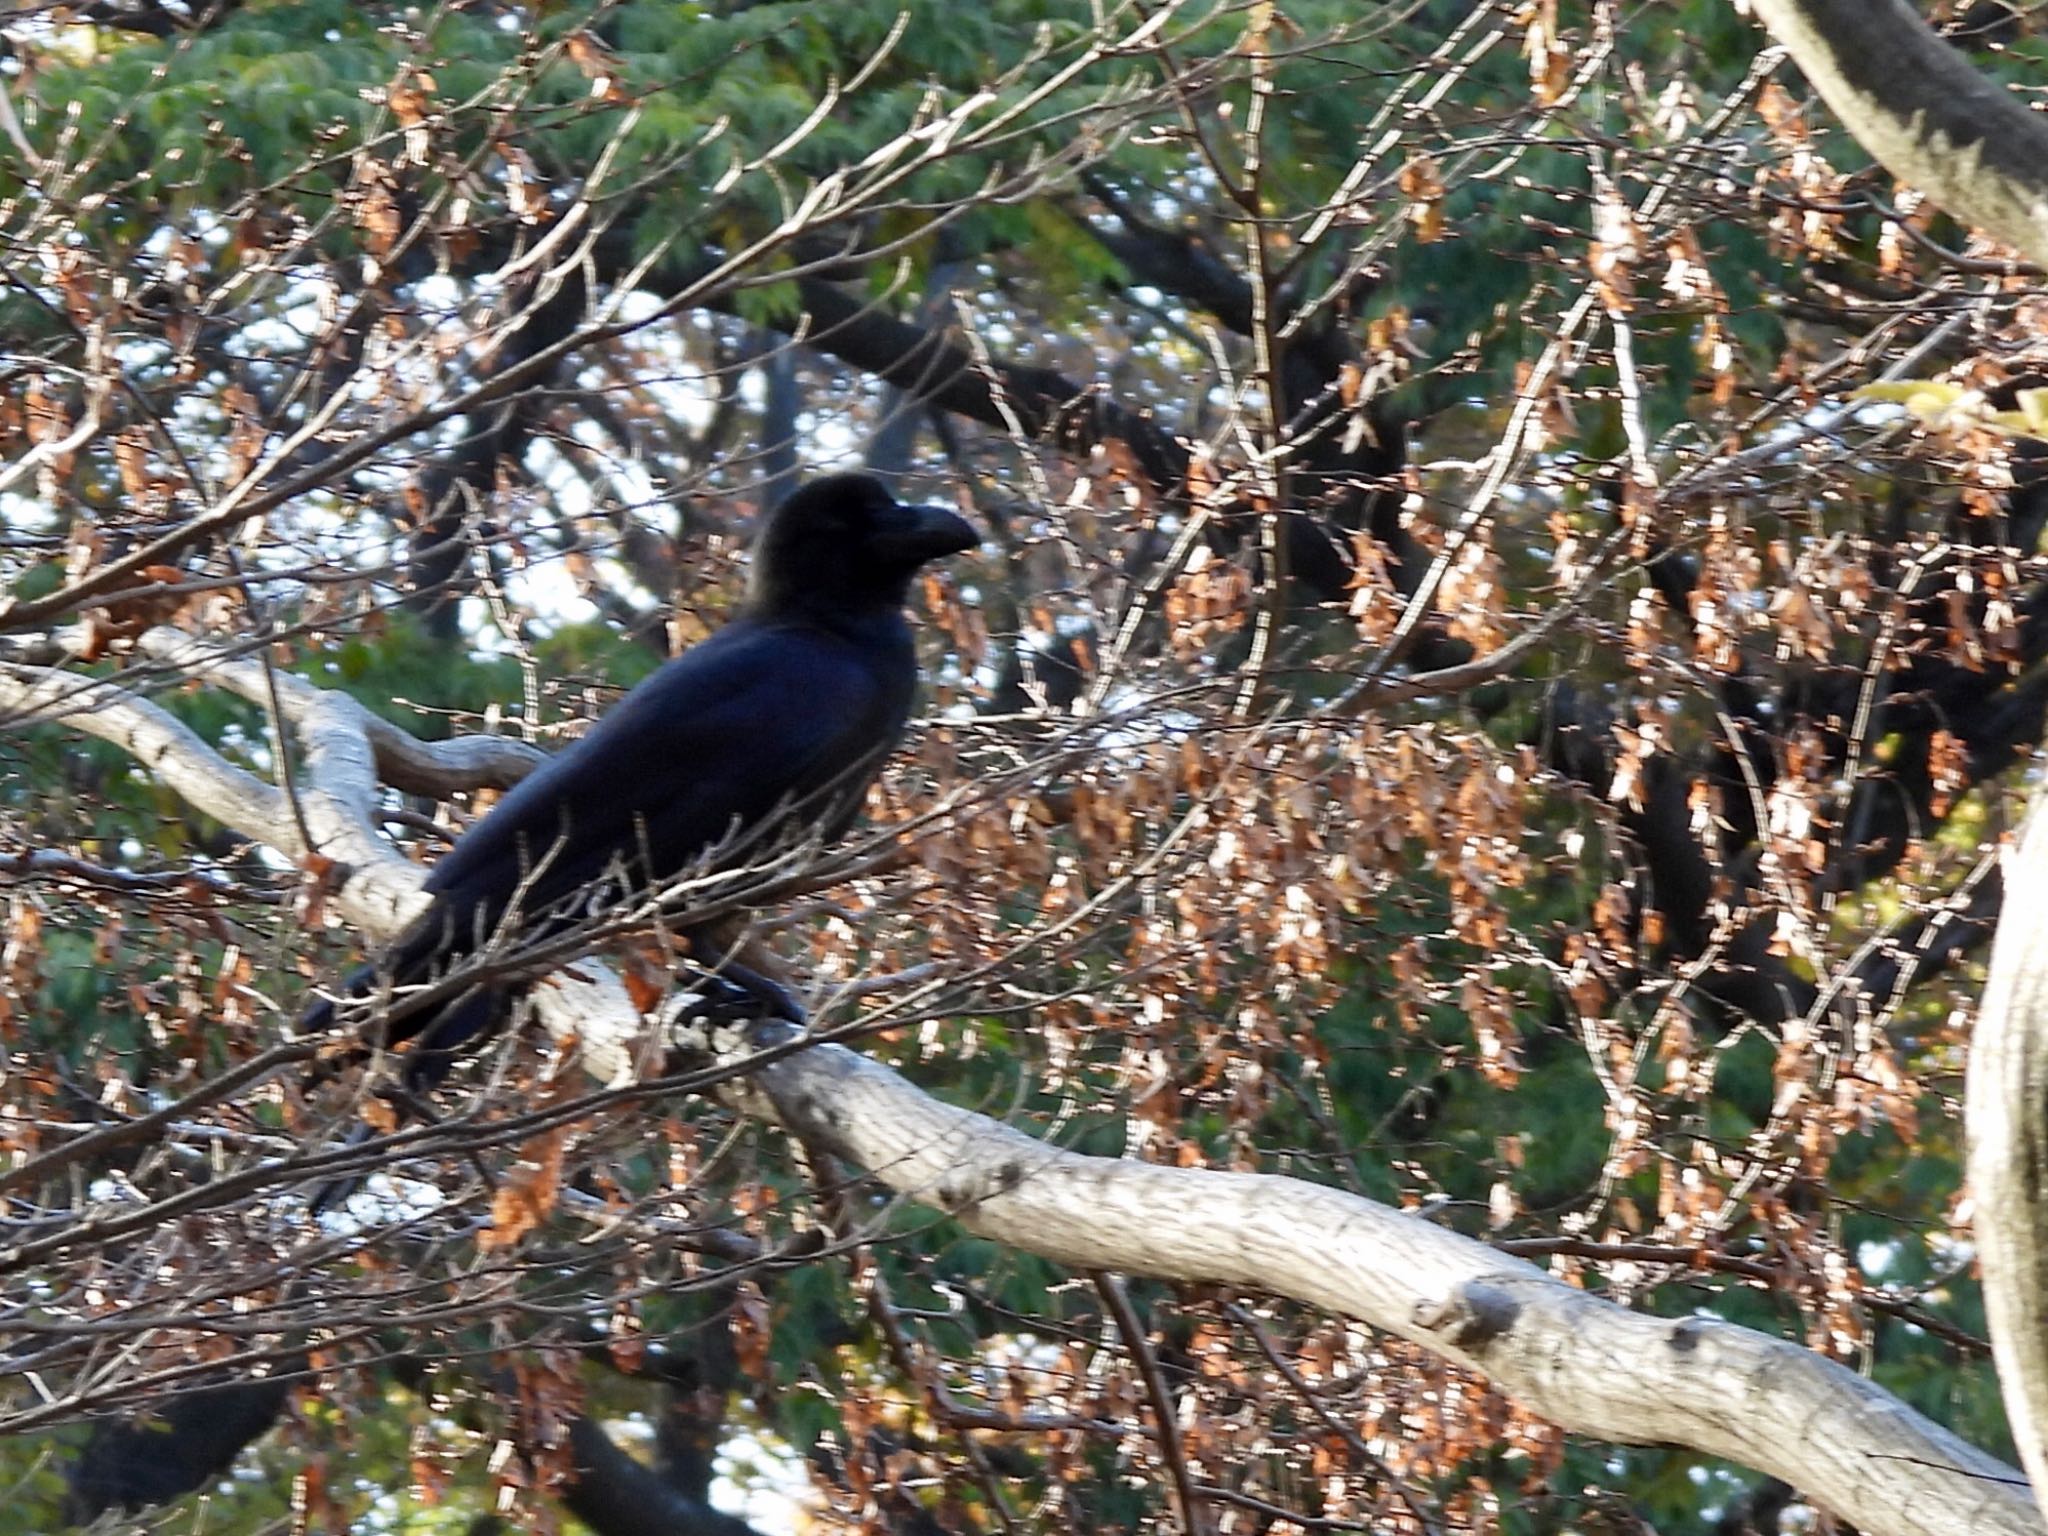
(440, 1032)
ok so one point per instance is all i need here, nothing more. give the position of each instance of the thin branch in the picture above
(1165, 1418)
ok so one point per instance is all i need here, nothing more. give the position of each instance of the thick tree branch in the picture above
(1041, 403)
(2008, 1138)
(1044, 405)
(346, 747)
(181, 1446)
(616, 1496)
(397, 757)
(461, 479)
(1588, 1365)
(1177, 261)
(1923, 111)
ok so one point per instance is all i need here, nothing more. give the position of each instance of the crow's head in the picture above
(842, 542)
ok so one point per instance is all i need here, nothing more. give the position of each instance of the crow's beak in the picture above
(912, 535)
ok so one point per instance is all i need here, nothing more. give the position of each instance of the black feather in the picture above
(771, 729)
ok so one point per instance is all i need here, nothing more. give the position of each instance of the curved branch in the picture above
(2007, 1118)
(378, 891)
(1588, 1365)
(615, 1495)
(346, 748)
(1923, 111)
(32, 695)
(398, 757)
(931, 368)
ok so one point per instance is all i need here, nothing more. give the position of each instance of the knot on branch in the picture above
(963, 1194)
(1686, 1334)
(1473, 1315)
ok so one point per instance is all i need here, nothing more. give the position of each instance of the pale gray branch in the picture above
(1588, 1365)
(1923, 112)
(2008, 1136)
(402, 760)
(378, 890)
(155, 739)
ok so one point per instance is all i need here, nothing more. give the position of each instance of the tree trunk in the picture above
(2008, 1136)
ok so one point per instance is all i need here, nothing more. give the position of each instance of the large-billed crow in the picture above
(769, 731)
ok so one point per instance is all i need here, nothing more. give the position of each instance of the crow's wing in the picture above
(720, 741)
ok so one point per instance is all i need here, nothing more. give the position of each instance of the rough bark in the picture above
(2008, 1137)
(1923, 111)
(1588, 1365)
(1931, 119)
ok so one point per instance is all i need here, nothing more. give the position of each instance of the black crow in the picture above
(767, 732)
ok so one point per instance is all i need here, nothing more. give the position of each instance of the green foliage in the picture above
(303, 91)
(277, 120)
